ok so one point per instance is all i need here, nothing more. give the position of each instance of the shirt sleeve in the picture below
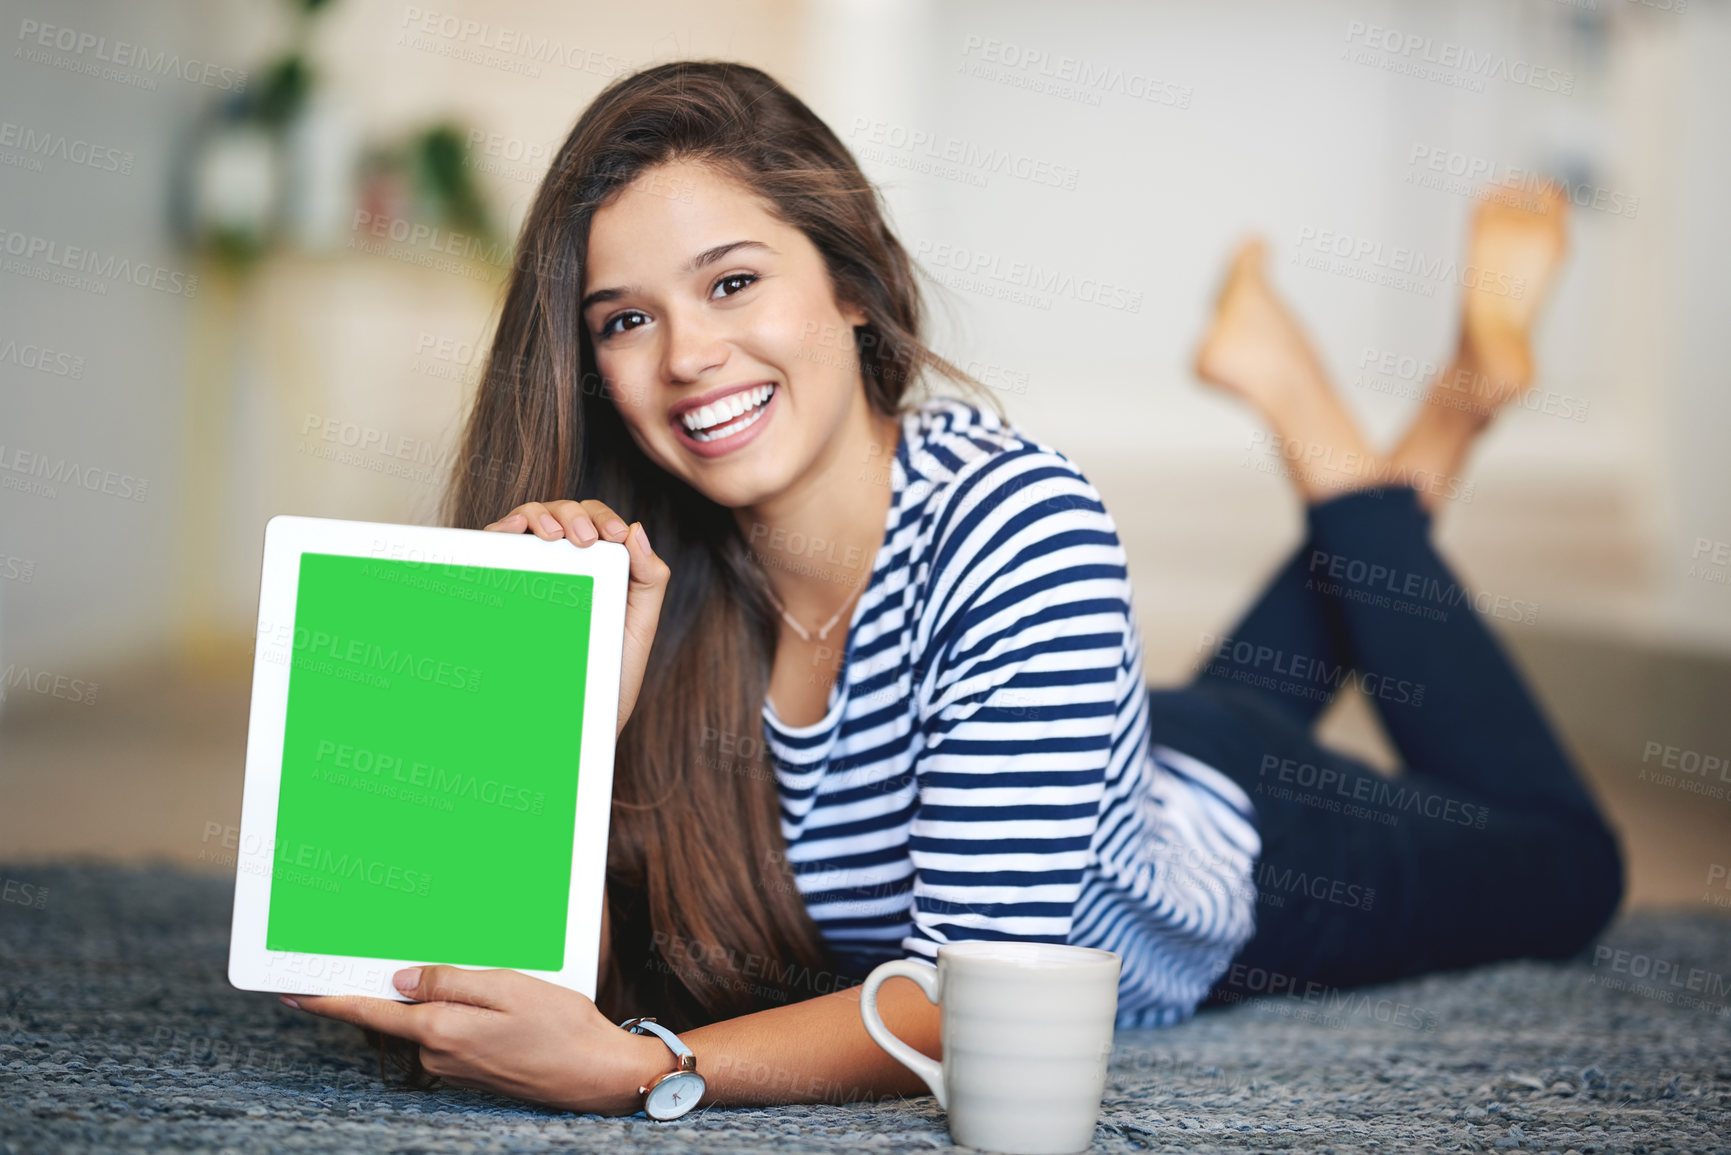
(1024, 633)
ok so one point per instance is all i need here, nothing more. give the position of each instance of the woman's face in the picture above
(717, 329)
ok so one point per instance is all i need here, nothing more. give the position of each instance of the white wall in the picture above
(100, 579)
(1590, 519)
(1594, 520)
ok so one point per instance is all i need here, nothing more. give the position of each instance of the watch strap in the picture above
(687, 1060)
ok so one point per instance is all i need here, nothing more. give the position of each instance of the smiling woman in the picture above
(710, 329)
(678, 306)
(977, 757)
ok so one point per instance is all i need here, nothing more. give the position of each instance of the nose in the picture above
(695, 345)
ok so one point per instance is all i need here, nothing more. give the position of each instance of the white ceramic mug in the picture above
(1027, 1034)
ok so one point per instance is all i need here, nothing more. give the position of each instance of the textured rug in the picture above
(119, 1031)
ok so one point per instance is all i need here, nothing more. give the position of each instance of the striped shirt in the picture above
(985, 769)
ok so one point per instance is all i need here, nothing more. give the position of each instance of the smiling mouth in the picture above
(732, 414)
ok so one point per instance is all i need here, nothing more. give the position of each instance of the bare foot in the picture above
(1255, 349)
(1517, 245)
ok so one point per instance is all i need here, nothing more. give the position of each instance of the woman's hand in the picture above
(577, 521)
(512, 1034)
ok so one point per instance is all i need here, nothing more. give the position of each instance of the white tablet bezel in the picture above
(250, 966)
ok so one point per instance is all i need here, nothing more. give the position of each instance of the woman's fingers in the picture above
(610, 524)
(582, 522)
(574, 523)
(448, 984)
(438, 991)
(510, 523)
(531, 517)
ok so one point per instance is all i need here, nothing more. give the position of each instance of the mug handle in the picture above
(927, 976)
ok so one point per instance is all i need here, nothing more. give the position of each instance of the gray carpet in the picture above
(119, 1031)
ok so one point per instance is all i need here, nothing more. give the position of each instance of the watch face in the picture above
(674, 1095)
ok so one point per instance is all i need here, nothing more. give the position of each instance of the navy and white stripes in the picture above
(985, 768)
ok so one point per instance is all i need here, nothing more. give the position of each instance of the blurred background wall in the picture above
(253, 250)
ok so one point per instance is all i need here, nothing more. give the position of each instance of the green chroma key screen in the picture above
(430, 761)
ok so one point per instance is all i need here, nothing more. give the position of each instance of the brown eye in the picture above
(618, 323)
(738, 280)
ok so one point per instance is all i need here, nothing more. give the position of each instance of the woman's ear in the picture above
(854, 315)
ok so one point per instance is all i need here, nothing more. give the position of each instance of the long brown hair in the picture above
(697, 885)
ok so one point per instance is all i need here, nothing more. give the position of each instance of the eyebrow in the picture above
(706, 257)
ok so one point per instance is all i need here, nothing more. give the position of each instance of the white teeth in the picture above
(702, 422)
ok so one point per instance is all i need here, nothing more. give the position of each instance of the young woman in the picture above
(883, 686)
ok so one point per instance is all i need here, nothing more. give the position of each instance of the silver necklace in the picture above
(823, 633)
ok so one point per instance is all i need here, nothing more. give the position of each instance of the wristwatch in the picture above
(671, 1095)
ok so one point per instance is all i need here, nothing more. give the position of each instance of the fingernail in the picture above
(586, 533)
(288, 1002)
(550, 524)
(408, 980)
(643, 536)
(616, 528)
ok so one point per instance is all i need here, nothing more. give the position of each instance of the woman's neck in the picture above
(817, 539)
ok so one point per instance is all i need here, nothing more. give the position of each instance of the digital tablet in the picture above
(429, 761)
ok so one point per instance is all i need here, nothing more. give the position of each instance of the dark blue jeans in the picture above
(1486, 847)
